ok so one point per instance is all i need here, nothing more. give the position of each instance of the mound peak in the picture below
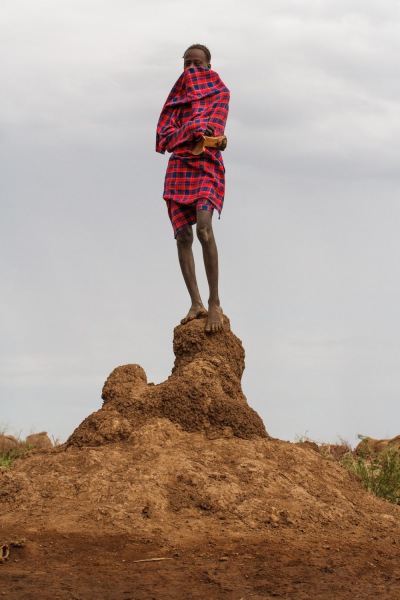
(202, 394)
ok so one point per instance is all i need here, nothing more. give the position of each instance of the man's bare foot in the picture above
(195, 312)
(215, 319)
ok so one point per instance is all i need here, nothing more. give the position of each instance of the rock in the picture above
(8, 442)
(203, 392)
(369, 445)
(41, 441)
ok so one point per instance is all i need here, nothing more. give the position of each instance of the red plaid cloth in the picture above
(183, 216)
(199, 98)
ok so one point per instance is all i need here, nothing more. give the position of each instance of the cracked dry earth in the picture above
(176, 491)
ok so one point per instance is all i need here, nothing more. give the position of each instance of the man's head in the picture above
(197, 55)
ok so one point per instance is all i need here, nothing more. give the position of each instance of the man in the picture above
(191, 127)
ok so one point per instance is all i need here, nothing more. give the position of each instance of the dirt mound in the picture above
(238, 518)
(8, 442)
(166, 475)
(369, 445)
(203, 393)
(223, 510)
(39, 440)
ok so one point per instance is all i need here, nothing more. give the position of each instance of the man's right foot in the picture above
(195, 312)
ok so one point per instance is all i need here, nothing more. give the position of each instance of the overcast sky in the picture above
(309, 237)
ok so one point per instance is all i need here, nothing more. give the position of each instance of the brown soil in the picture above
(185, 473)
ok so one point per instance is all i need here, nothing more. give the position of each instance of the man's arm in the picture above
(175, 134)
(218, 115)
(210, 122)
(214, 134)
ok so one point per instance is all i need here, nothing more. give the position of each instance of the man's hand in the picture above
(209, 131)
(209, 141)
(222, 144)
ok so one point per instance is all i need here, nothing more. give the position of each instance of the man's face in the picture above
(195, 58)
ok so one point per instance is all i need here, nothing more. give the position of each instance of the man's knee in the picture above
(185, 237)
(204, 232)
(204, 226)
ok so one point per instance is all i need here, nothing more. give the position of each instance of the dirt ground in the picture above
(177, 491)
(72, 566)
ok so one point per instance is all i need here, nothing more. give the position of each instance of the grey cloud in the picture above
(308, 238)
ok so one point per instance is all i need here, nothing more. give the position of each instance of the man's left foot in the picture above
(215, 319)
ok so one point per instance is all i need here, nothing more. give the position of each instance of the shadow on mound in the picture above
(203, 393)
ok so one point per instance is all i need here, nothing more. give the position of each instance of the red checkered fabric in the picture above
(199, 98)
(185, 215)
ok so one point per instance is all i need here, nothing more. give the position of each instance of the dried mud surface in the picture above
(227, 511)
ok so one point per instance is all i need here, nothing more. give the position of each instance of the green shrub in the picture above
(379, 473)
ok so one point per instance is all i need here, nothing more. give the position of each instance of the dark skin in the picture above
(205, 234)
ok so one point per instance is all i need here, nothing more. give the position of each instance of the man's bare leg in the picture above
(210, 255)
(184, 241)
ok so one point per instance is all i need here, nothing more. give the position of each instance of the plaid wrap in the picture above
(199, 98)
(183, 216)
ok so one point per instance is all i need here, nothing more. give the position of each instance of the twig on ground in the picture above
(150, 559)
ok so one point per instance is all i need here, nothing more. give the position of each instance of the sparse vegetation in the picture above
(379, 472)
(12, 448)
(7, 457)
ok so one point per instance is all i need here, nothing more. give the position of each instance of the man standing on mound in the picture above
(191, 127)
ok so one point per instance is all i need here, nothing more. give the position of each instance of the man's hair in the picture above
(199, 47)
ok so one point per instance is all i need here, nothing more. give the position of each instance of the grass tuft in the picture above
(9, 456)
